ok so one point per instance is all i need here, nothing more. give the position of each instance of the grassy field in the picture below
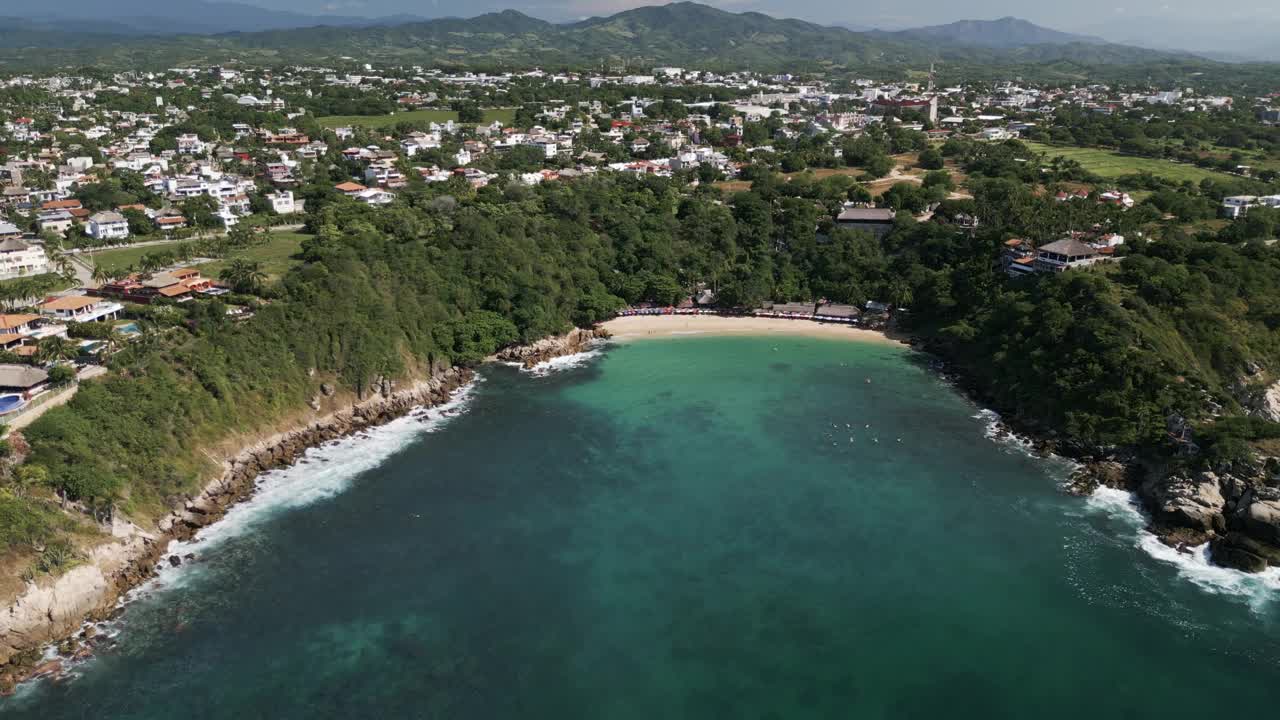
(121, 258)
(275, 255)
(503, 115)
(1111, 164)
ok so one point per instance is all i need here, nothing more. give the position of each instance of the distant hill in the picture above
(1007, 32)
(683, 33)
(167, 17)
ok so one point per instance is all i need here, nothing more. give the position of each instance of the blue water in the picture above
(694, 528)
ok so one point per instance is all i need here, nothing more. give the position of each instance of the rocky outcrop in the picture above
(1184, 502)
(1266, 404)
(1094, 474)
(55, 608)
(1239, 551)
(1237, 514)
(1260, 520)
(575, 341)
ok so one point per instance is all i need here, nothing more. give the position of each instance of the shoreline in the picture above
(59, 612)
(642, 327)
(54, 612)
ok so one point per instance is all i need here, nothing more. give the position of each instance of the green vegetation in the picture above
(1112, 165)
(417, 117)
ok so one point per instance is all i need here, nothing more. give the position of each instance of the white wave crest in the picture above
(320, 474)
(565, 362)
(997, 432)
(1192, 565)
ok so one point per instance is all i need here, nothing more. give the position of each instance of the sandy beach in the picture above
(640, 327)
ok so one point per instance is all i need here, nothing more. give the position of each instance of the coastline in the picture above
(640, 327)
(54, 612)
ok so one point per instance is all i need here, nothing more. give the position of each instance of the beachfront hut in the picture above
(788, 310)
(834, 312)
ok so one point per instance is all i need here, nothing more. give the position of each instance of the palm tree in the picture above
(149, 263)
(56, 349)
(101, 275)
(243, 275)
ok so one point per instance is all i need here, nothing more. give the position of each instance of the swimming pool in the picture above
(11, 403)
(129, 328)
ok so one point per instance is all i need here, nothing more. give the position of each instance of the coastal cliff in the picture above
(1234, 507)
(53, 609)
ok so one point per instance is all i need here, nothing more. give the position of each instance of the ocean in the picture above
(701, 527)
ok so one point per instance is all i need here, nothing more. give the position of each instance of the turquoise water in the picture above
(693, 528)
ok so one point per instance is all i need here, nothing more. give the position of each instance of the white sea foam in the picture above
(566, 362)
(996, 431)
(320, 474)
(1258, 589)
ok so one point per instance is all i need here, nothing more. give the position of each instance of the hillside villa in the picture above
(178, 285)
(80, 308)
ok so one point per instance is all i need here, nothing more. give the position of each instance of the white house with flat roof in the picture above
(80, 308)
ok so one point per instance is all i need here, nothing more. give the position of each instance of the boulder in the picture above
(1180, 501)
(1239, 551)
(1228, 555)
(1262, 520)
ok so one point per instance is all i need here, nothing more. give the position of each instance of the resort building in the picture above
(178, 285)
(80, 308)
(1065, 254)
(18, 259)
(877, 221)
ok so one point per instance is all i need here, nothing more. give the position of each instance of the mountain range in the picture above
(81, 31)
(1007, 32)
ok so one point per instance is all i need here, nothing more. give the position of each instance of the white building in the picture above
(108, 226)
(80, 308)
(374, 196)
(283, 203)
(17, 259)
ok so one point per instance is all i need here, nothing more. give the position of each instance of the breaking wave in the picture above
(321, 473)
(565, 362)
(1192, 565)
